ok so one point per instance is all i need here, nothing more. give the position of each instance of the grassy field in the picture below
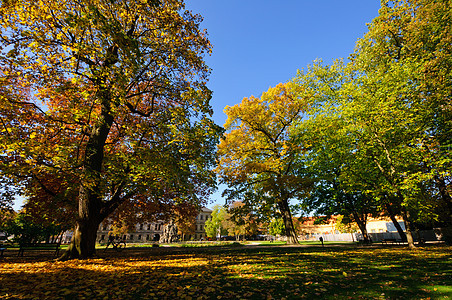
(239, 272)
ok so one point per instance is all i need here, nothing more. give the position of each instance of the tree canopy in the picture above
(258, 154)
(105, 105)
(373, 134)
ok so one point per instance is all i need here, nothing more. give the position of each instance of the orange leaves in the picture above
(114, 112)
(258, 142)
(259, 273)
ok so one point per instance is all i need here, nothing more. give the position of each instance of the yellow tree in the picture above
(257, 153)
(108, 98)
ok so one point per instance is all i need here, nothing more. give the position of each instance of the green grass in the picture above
(306, 272)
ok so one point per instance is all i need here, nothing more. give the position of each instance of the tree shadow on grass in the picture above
(247, 273)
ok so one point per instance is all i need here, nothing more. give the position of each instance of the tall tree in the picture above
(331, 160)
(419, 35)
(109, 97)
(185, 219)
(258, 154)
(405, 60)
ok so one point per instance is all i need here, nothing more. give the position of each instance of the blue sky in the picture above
(260, 43)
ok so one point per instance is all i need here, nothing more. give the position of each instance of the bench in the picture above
(392, 241)
(39, 247)
(365, 243)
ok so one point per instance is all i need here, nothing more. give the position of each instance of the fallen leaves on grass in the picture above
(273, 273)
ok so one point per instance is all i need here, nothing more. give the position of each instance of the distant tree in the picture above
(7, 215)
(23, 229)
(185, 219)
(240, 221)
(214, 225)
(345, 224)
(276, 227)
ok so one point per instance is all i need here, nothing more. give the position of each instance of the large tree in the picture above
(403, 105)
(107, 98)
(257, 153)
(416, 35)
(331, 160)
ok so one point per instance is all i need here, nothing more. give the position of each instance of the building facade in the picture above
(151, 232)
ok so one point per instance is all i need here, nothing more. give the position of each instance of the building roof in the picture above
(205, 209)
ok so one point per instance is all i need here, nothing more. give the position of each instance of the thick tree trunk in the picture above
(83, 243)
(362, 226)
(396, 224)
(288, 224)
(91, 210)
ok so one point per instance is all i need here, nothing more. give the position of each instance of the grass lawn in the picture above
(245, 272)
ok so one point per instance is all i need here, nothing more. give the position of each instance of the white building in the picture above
(151, 232)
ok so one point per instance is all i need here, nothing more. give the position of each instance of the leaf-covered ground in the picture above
(236, 273)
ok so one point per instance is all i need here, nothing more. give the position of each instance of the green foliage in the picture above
(214, 226)
(345, 224)
(378, 128)
(276, 227)
(24, 230)
(321, 220)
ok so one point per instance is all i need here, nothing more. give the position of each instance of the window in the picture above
(139, 237)
(131, 237)
(156, 227)
(141, 226)
(200, 217)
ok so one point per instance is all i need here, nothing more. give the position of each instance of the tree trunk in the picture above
(362, 226)
(394, 221)
(409, 235)
(83, 242)
(288, 224)
(91, 210)
(445, 195)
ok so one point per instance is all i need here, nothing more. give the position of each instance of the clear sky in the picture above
(260, 43)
